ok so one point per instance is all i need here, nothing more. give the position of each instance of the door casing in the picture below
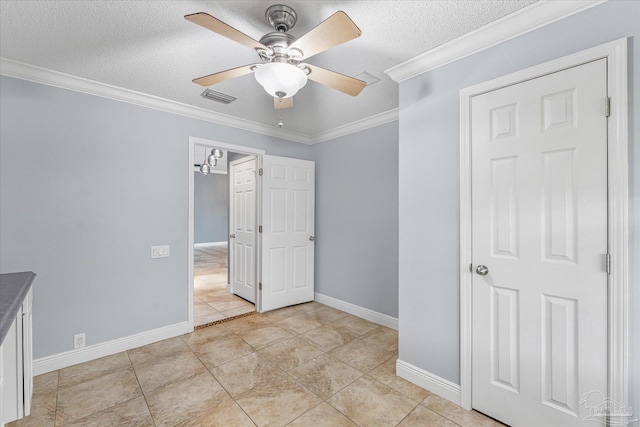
(616, 54)
(236, 149)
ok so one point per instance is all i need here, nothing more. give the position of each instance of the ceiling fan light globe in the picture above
(280, 77)
(205, 169)
(212, 161)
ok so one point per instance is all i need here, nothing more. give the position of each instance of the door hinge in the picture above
(608, 263)
(260, 171)
(607, 106)
(259, 229)
(260, 286)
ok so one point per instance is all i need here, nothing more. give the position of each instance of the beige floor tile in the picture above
(229, 305)
(383, 337)
(310, 306)
(43, 411)
(224, 350)
(133, 413)
(157, 351)
(46, 383)
(276, 403)
(362, 355)
(85, 371)
(370, 403)
(327, 337)
(248, 308)
(248, 323)
(324, 376)
(168, 370)
(325, 315)
(185, 399)
(283, 313)
(86, 398)
(199, 337)
(227, 414)
(298, 324)
(386, 374)
(323, 415)
(354, 325)
(457, 414)
(207, 315)
(265, 336)
(421, 417)
(244, 373)
(290, 353)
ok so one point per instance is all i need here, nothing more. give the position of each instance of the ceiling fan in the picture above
(282, 71)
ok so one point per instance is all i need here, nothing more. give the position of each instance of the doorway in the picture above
(547, 342)
(211, 296)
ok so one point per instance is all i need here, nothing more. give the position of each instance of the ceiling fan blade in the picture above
(286, 103)
(214, 78)
(333, 31)
(217, 26)
(346, 84)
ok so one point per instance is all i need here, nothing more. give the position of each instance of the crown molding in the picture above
(530, 18)
(357, 126)
(35, 74)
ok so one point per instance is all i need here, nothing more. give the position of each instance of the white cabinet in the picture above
(16, 366)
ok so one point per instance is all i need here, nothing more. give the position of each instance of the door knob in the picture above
(232, 236)
(482, 270)
(312, 238)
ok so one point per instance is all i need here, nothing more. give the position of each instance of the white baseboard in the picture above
(356, 310)
(427, 380)
(73, 357)
(209, 244)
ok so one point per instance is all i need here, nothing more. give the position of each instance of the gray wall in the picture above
(429, 181)
(210, 207)
(357, 218)
(87, 185)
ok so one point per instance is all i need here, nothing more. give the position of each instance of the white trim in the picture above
(193, 141)
(209, 244)
(73, 357)
(527, 19)
(357, 126)
(428, 381)
(356, 310)
(35, 74)
(618, 193)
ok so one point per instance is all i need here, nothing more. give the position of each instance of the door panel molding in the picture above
(616, 54)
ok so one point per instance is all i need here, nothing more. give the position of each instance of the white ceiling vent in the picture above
(217, 96)
(366, 77)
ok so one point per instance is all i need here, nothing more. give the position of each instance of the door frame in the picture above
(193, 141)
(617, 210)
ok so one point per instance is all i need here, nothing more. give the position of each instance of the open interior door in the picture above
(288, 221)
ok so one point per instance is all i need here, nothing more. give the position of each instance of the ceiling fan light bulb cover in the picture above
(212, 161)
(205, 169)
(280, 77)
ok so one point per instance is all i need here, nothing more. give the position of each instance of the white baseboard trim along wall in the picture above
(209, 244)
(427, 380)
(85, 354)
(356, 310)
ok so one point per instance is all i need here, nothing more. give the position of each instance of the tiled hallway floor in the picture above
(308, 365)
(211, 301)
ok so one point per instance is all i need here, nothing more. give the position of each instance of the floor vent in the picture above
(217, 96)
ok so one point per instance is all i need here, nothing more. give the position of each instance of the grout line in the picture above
(144, 396)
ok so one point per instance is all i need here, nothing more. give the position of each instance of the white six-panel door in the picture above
(242, 241)
(288, 213)
(539, 197)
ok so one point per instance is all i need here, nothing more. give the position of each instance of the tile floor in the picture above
(211, 301)
(306, 366)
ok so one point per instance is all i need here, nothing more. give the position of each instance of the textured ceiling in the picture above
(147, 46)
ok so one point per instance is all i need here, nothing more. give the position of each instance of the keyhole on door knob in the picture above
(482, 270)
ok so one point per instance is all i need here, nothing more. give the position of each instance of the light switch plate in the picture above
(160, 251)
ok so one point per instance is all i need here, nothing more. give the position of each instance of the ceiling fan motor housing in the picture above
(282, 18)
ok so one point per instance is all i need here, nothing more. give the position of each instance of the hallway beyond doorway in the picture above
(211, 301)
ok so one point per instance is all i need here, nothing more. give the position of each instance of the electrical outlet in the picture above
(79, 341)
